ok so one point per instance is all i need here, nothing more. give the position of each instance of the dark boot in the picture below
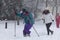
(24, 33)
(51, 32)
(28, 35)
(48, 33)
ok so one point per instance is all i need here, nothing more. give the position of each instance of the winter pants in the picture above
(27, 29)
(48, 26)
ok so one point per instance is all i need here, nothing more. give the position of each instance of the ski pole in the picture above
(36, 31)
(15, 29)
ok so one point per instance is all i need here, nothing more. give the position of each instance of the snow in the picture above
(8, 34)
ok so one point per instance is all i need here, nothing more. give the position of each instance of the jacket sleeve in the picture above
(51, 16)
(19, 14)
(43, 18)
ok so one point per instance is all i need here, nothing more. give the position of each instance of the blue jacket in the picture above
(27, 19)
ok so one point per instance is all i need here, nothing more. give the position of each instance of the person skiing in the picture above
(28, 19)
(48, 18)
(57, 20)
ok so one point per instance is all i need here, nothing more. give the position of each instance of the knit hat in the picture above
(24, 10)
(47, 8)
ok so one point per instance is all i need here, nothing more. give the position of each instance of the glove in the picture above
(43, 21)
(21, 11)
(53, 20)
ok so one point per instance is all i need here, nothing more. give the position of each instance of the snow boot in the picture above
(51, 32)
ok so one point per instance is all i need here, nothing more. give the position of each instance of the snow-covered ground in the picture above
(8, 34)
